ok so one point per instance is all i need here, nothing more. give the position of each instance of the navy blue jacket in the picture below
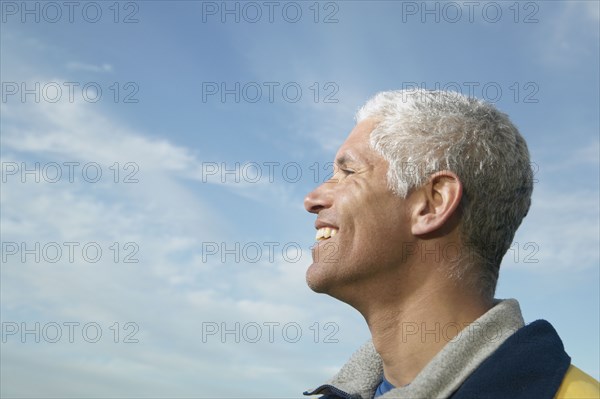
(529, 364)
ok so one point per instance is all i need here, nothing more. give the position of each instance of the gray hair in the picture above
(420, 132)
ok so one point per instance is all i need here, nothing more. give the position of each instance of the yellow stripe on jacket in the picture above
(578, 385)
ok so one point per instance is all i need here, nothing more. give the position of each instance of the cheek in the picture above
(382, 228)
(386, 210)
(371, 214)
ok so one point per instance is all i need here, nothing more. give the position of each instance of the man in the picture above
(427, 193)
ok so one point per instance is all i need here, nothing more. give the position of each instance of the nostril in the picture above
(318, 199)
(316, 208)
(311, 203)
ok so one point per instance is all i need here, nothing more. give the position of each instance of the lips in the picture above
(325, 232)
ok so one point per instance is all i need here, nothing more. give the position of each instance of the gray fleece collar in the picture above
(361, 375)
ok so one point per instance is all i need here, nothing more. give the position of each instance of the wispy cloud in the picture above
(560, 233)
(570, 30)
(80, 66)
(168, 296)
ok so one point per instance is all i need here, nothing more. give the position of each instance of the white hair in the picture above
(420, 132)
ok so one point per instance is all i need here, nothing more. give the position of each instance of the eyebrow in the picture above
(344, 159)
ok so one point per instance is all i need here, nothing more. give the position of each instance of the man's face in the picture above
(368, 223)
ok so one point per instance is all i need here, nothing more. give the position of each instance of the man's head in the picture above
(420, 169)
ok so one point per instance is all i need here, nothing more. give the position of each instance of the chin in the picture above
(322, 281)
(315, 280)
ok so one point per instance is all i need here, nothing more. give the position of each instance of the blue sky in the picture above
(179, 219)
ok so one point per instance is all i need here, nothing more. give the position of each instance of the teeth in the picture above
(325, 232)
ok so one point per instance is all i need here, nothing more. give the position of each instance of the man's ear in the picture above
(436, 202)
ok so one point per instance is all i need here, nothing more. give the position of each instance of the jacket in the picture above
(508, 360)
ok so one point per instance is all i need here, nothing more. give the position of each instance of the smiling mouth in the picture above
(325, 233)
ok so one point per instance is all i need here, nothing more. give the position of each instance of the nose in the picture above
(318, 199)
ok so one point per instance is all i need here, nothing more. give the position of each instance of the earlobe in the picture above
(436, 202)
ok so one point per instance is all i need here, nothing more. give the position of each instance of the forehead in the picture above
(357, 146)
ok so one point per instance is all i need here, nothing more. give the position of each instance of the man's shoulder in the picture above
(578, 384)
(531, 363)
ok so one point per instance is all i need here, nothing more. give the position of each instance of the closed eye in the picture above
(345, 173)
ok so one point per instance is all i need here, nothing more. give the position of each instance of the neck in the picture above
(408, 332)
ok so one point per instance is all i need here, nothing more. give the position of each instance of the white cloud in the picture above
(559, 234)
(169, 293)
(569, 31)
(80, 66)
